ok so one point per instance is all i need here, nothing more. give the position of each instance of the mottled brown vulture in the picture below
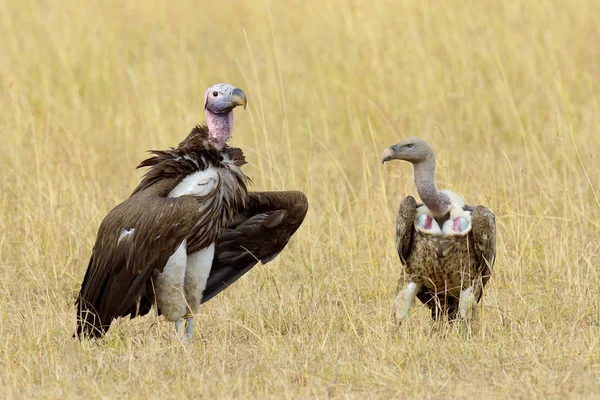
(189, 230)
(447, 248)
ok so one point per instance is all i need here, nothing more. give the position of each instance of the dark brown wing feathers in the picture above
(259, 232)
(119, 270)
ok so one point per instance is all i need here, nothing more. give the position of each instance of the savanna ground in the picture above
(508, 94)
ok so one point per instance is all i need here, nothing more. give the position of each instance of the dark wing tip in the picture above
(301, 202)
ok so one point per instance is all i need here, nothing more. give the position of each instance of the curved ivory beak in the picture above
(238, 98)
(387, 155)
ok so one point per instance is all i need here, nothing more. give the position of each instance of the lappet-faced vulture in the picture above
(189, 230)
(448, 248)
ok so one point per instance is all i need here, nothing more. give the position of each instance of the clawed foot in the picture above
(188, 335)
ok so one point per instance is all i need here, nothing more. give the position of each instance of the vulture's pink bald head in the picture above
(219, 102)
(222, 98)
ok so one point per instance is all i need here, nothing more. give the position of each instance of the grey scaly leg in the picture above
(189, 328)
(178, 325)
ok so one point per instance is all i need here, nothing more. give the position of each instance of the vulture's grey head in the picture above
(222, 98)
(413, 150)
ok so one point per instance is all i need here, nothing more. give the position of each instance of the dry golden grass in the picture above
(508, 93)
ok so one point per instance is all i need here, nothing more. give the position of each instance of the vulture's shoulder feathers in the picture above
(195, 153)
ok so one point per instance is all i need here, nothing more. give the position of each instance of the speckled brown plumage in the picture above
(446, 264)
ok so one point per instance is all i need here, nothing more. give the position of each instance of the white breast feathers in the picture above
(199, 183)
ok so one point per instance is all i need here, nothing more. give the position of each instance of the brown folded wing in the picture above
(483, 224)
(405, 227)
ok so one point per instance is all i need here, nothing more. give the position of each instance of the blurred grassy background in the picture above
(506, 92)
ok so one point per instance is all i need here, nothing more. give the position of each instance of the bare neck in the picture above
(437, 202)
(220, 127)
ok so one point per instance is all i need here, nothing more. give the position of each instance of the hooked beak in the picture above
(238, 98)
(388, 154)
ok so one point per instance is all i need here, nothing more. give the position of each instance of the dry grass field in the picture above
(507, 93)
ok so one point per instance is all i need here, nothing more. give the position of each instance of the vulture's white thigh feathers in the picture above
(196, 275)
(405, 300)
(170, 295)
(466, 301)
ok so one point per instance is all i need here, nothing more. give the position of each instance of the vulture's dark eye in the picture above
(215, 94)
(409, 146)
